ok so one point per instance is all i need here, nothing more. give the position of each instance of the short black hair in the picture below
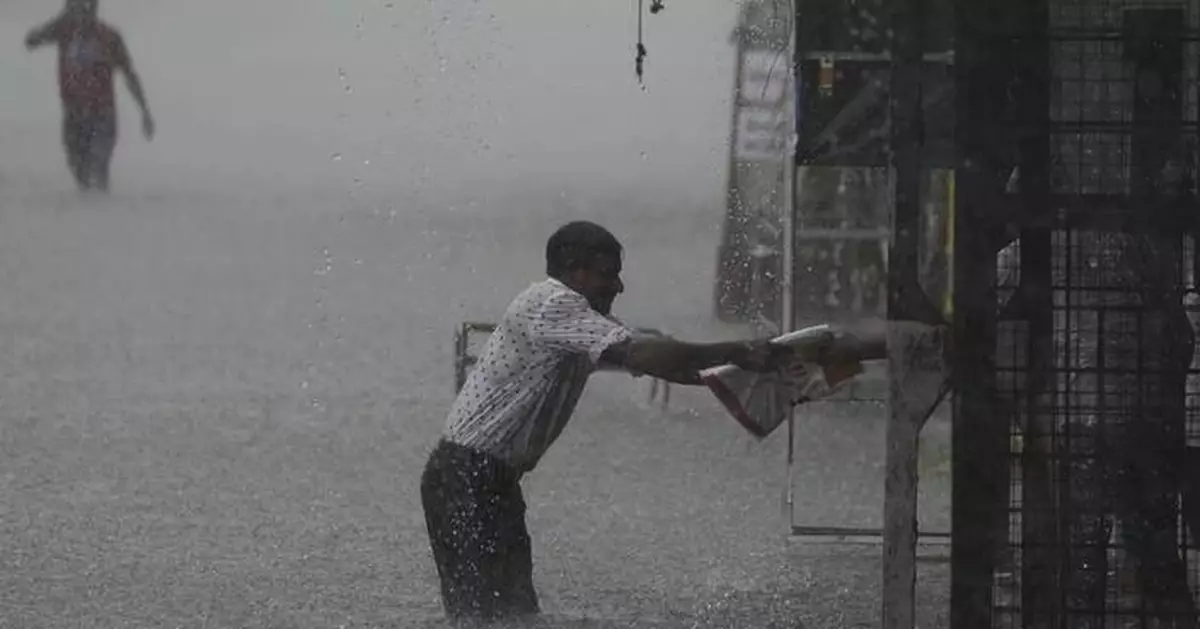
(576, 245)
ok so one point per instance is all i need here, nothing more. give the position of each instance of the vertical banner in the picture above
(756, 197)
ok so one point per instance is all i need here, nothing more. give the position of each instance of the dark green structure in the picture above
(1073, 361)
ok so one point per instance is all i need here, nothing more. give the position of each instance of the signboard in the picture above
(765, 77)
(762, 131)
(762, 135)
(763, 126)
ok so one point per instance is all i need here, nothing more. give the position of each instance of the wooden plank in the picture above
(855, 531)
(904, 420)
(849, 55)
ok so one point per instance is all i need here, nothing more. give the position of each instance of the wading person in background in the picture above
(89, 52)
(518, 399)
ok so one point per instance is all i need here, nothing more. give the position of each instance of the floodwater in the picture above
(218, 385)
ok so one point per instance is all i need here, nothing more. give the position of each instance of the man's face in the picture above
(600, 283)
(82, 9)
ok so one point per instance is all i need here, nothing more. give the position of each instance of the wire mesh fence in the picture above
(1082, 154)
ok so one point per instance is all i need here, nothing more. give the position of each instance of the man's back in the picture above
(530, 374)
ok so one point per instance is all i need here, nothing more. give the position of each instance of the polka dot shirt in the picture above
(530, 374)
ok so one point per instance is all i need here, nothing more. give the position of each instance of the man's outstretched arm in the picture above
(566, 323)
(680, 362)
(42, 35)
(671, 360)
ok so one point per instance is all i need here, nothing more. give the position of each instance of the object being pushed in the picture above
(760, 402)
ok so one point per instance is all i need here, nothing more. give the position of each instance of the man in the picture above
(517, 401)
(89, 51)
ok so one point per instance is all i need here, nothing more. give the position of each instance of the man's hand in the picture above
(147, 125)
(42, 35)
(763, 356)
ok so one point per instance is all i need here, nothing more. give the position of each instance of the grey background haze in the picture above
(441, 95)
(219, 385)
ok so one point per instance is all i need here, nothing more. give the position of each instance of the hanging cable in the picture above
(639, 61)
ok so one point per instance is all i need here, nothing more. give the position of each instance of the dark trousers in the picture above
(89, 140)
(475, 515)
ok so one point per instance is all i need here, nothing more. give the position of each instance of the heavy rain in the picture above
(221, 379)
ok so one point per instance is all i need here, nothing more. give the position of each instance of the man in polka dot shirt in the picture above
(518, 399)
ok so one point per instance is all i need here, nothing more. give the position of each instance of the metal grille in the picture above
(1094, 365)
(1098, 435)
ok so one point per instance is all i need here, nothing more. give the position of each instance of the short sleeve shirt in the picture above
(88, 54)
(530, 374)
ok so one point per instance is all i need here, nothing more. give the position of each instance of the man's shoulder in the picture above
(543, 293)
(55, 26)
(109, 32)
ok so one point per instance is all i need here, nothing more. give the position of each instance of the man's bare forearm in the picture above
(39, 36)
(135, 89)
(670, 359)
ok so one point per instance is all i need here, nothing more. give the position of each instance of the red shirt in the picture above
(88, 53)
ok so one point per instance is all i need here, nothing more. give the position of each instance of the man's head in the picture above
(82, 9)
(586, 257)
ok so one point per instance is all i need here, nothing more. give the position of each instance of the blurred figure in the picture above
(88, 53)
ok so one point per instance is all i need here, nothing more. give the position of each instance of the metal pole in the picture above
(903, 426)
(787, 276)
(791, 207)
